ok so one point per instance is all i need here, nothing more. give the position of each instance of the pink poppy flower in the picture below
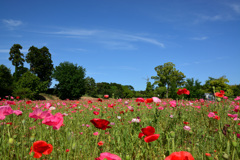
(156, 100)
(108, 156)
(211, 114)
(56, 121)
(187, 128)
(17, 112)
(4, 111)
(39, 114)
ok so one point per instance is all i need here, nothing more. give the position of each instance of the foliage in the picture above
(91, 87)
(128, 91)
(219, 84)
(235, 89)
(29, 86)
(6, 81)
(149, 89)
(189, 126)
(17, 59)
(41, 63)
(166, 74)
(194, 87)
(71, 80)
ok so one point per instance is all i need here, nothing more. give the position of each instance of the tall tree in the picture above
(41, 63)
(6, 81)
(91, 87)
(195, 88)
(17, 59)
(166, 74)
(219, 84)
(71, 80)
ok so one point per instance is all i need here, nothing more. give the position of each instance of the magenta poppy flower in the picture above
(4, 111)
(56, 121)
(108, 156)
(39, 114)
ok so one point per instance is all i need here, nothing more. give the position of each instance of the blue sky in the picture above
(123, 41)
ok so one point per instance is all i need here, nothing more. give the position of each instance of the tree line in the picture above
(73, 83)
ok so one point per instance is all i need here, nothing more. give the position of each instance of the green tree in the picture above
(218, 83)
(128, 91)
(91, 87)
(166, 74)
(194, 87)
(40, 62)
(71, 80)
(149, 89)
(17, 59)
(29, 86)
(104, 88)
(235, 89)
(6, 81)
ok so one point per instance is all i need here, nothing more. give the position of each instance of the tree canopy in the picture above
(166, 75)
(17, 59)
(6, 81)
(40, 62)
(71, 80)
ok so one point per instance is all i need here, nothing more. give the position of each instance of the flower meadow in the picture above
(120, 129)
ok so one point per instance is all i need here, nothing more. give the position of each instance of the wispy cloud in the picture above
(76, 32)
(4, 50)
(235, 7)
(8, 50)
(148, 40)
(111, 39)
(118, 45)
(11, 24)
(199, 38)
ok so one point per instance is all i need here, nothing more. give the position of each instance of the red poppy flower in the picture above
(217, 94)
(149, 130)
(28, 102)
(89, 102)
(140, 99)
(208, 154)
(67, 150)
(185, 122)
(222, 92)
(149, 133)
(149, 100)
(17, 97)
(41, 147)
(100, 123)
(95, 112)
(151, 138)
(185, 91)
(179, 92)
(182, 155)
(106, 96)
(99, 100)
(100, 143)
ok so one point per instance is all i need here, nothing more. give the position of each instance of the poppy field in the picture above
(120, 129)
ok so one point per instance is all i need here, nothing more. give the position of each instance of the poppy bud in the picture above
(15, 136)
(188, 149)
(74, 146)
(11, 140)
(172, 134)
(32, 138)
(128, 157)
(234, 143)
(18, 143)
(23, 121)
(225, 156)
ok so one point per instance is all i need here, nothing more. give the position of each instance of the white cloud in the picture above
(77, 32)
(144, 39)
(4, 50)
(200, 38)
(8, 50)
(235, 7)
(12, 23)
(113, 40)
